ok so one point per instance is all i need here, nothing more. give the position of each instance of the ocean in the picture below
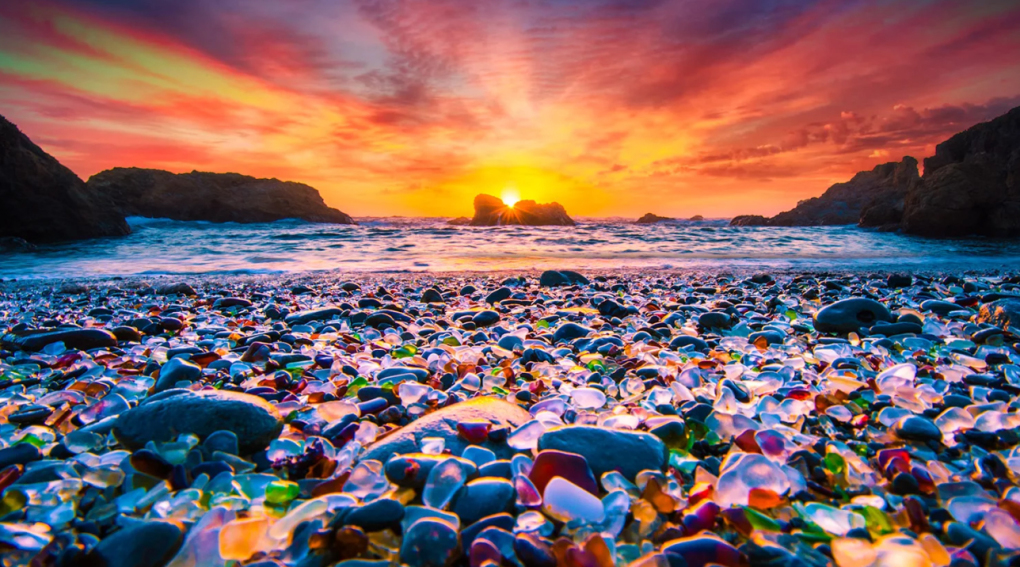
(393, 244)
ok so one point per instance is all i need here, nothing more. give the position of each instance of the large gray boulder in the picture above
(164, 416)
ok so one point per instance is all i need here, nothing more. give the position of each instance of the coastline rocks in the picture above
(1003, 313)
(849, 315)
(651, 218)
(696, 218)
(880, 192)
(15, 244)
(162, 417)
(44, 201)
(459, 221)
(628, 452)
(492, 211)
(971, 185)
(214, 197)
(443, 424)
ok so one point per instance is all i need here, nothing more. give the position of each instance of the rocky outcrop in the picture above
(749, 220)
(491, 211)
(43, 201)
(652, 218)
(215, 197)
(696, 218)
(971, 185)
(880, 192)
(459, 221)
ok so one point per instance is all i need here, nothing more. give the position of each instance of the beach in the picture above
(644, 417)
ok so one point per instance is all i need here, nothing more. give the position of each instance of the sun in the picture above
(510, 195)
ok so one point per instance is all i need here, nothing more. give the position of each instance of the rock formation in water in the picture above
(652, 218)
(696, 218)
(43, 201)
(491, 211)
(749, 220)
(459, 221)
(880, 190)
(971, 185)
(215, 197)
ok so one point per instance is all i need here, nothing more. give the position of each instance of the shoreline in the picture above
(336, 275)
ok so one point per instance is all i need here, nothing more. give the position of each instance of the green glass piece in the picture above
(281, 491)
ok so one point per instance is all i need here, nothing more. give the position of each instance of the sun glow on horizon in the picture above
(511, 195)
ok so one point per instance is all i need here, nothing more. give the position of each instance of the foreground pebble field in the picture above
(641, 418)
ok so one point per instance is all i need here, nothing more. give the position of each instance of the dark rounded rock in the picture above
(714, 320)
(19, 454)
(376, 515)
(628, 452)
(570, 331)
(485, 318)
(849, 315)
(81, 339)
(142, 544)
(498, 295)
(177, 370)
(483, 497)
(321, 314)
(553, 278)
(917, 428)
(432, 295)
(162, 417)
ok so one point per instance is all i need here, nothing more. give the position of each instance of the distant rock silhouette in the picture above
(43, 201)
(749, 220)
(881, 191)
(215, 197)
(492, 211)
(459, 221)
(696, 218)
(652, 218)
(971, 185)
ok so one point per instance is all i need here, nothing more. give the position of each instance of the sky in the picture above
(412, 107)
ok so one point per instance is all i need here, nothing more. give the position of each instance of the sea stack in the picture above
(652, 218)
(43, 201)
(492, 211)
(213, 197)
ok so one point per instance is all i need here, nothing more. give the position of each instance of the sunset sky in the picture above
(411, 107)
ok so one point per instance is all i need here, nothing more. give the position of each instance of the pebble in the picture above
(177, 370)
